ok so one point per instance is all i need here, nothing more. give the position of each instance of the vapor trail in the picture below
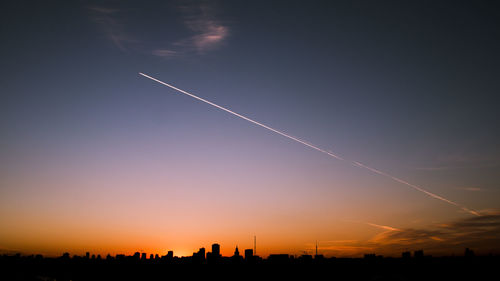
(357, 164)
(243, 117)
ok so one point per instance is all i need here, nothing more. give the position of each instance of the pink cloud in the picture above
(209, 33)
(204, 31)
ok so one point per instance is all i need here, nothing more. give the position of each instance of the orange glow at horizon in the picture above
(119, 199)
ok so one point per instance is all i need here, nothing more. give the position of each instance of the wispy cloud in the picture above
(390, 228)
(480, 233)
(407, 237)
(209, 35)
(207, 31)
(203, 31)
(165, 53)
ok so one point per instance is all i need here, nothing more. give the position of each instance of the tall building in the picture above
(199, 257)
(168, 257)
(469, 253)
(216, 249)
(418, 254)
(236, 252)
(249, 255)
(201, 253)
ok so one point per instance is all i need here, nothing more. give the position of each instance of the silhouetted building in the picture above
(236, 258)
(306, 259)
(406, 255)
(214, 256)
(199, 257)
(370, 256)
(137, 256)
(216, 249)
(278, 259)
(87, 255)
(319, 257)
(249, 254)
(168, 257)
(418, 254)
(143, 256)
(469, 253)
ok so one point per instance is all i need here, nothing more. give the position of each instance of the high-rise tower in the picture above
(216, 249)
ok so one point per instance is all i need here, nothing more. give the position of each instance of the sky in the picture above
(95, 157)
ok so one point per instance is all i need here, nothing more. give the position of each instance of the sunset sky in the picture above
(95, 157)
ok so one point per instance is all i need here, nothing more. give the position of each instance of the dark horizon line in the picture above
(248, 253)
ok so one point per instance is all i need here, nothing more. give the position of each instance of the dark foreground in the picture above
(426, 268)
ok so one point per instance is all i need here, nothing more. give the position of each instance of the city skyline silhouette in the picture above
(409, 266)
(352, 136)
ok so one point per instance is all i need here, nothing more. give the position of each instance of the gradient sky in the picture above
(94, 157)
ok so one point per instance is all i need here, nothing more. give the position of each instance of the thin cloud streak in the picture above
(357, 164)
(390, 228)
(165, 53)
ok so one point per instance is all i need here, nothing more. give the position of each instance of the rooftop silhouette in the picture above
(155, 266)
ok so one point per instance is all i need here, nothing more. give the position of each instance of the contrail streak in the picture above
(357, 164)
